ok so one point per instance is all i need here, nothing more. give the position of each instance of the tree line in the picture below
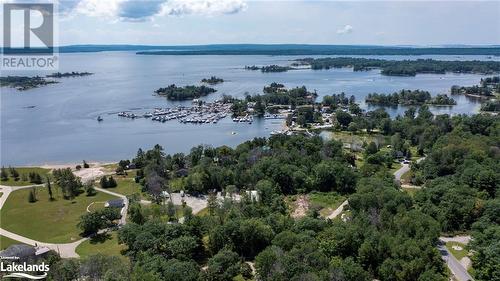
(405, 67)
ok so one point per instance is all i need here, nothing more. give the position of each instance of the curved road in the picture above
(65, 250)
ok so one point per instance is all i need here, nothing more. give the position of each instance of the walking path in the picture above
(65, 250)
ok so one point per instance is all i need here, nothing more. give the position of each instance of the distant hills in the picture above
(287, 49)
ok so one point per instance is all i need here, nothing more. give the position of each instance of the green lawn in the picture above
(411, 191)
(44, 220)
(457, 254)
(107, 245)
(5, 242)
(126, 186)
(23, 173)
(326, 201)
(203, 212)
(395, 167)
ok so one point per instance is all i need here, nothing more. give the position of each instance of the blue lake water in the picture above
(62, 127)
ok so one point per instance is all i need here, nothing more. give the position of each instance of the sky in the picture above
(190, 22)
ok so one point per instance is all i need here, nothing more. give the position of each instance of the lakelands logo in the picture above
(29, 33)
(18, 270)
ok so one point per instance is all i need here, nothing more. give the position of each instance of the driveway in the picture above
(453, 264)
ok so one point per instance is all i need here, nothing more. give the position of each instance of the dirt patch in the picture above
(466, 262)
(301, 207)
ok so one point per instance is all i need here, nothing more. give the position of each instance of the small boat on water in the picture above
(99, 119)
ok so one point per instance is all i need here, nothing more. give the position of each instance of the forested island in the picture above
(269, 68)
(68, 74)
(409, 97)
(486, 88)
(405, 67)
(23, 83)
(442, 99)
(213, 80)
(173, 92)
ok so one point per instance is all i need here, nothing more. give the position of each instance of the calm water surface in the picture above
(62, 126)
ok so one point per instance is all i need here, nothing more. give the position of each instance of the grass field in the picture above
(23, 173)
(326, 201)
(5, 242)
(44, 220)
(106, 245)
(126, 186)
(458, 254)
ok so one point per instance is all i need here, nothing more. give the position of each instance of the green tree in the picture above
(4, 175)
(49, 188)
(104, 182)
(224, 266)
(343, 118)
(32, 196)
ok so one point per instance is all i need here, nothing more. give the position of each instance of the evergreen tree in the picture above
(32, 196)
(14, 173)
(171, 209)
(112, 182)
(104, 182)
(49, 189)
(4, 174)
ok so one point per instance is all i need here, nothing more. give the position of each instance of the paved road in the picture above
(338, 211)
(405, 168)
(123, 212)
(454, 265)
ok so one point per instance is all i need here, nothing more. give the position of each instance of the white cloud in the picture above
(203, 7)
(140, 10)
(344, 30)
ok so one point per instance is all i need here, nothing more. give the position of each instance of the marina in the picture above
(199, 113)
(59, 119)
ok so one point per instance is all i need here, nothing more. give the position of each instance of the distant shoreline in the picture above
(288, 49)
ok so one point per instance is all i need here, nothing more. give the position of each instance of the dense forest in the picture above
(387, 234)
(403, 97)
(173, 92)
(409, 97)
(405, 67)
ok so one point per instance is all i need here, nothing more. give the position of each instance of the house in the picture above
(115, 203)
(23, 252)
(253, 194)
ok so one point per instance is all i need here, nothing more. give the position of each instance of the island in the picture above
(23, 83)
(404, 67)
(269, 68)
(486, 89)
(403, 97)
(442, 99)
(252, 67)
(173, 92)
(68, 74)
(212, 80)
